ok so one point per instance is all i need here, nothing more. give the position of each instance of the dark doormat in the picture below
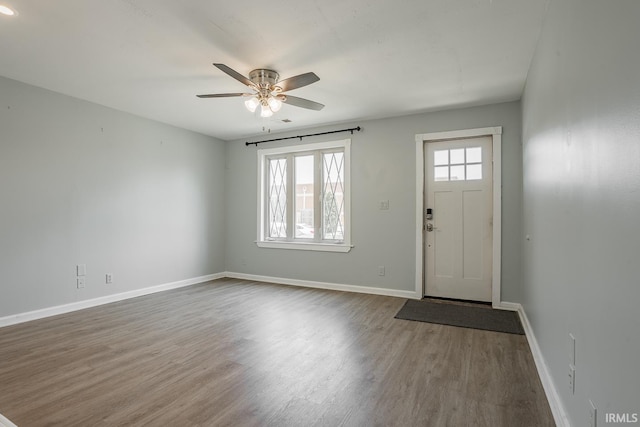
(465, 316)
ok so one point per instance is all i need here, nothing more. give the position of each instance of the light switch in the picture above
(81, 270)
(572, 350)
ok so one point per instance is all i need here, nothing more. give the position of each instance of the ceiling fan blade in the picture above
(298, 81)
(222, 95)
(301, 102)
(236, 75)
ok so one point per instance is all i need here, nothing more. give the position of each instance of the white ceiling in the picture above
(375, 58)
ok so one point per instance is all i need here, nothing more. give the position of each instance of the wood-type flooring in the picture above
(240, 353)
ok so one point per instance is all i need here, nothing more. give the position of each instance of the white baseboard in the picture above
(5, 422)
(557, 408)
(80, 305)
(508, 306)
(324, 285)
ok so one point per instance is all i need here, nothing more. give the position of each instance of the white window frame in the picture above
(300, 244)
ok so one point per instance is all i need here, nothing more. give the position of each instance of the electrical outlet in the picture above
(381, 270)
(80, 282)
(593, 415)
(572, 379)
(108, 278)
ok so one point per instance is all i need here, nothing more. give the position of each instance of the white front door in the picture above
(459, 218)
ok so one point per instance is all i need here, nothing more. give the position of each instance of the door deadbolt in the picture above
(429, 227)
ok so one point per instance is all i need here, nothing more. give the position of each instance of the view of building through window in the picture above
(318, 196)
(305, 200)
(331, 197)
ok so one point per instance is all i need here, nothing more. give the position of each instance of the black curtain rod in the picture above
(358, 129)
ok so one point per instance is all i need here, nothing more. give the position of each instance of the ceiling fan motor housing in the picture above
(264, 78)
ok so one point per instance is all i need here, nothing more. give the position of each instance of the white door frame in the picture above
(421, 139)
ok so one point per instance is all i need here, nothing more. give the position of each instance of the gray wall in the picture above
(81, 183)
(383, 168)
(581, 134)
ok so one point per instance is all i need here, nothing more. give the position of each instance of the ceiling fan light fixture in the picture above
(252, 104)
(6, 10)
(266, 111)
(275, 104)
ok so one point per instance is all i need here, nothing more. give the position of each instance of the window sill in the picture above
(302, 246)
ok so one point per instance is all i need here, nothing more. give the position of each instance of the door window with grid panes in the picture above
(459, 164)
(304, 199)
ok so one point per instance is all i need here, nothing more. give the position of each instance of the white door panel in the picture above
(472, 221)
(443, 236)
(458, 239)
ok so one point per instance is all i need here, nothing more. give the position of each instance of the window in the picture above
(304, 200)
(460, 164)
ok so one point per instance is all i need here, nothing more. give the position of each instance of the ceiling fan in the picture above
(268, 91)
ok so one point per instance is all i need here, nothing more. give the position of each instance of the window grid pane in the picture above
(474, 172)
(441, 173)
(333, 196)
(440, 157)
(457, 156)
(277, 198)
(457, 173)
(474, 155)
